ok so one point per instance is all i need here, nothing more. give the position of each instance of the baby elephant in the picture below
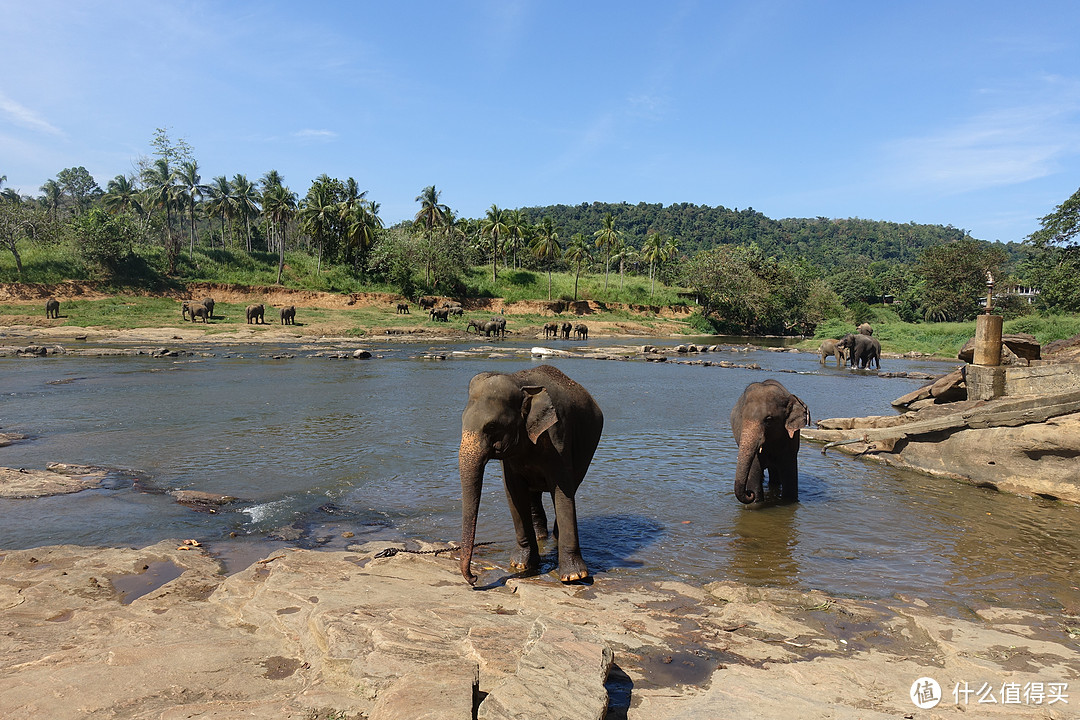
(255, 314)
(288, 315)
(52, 308)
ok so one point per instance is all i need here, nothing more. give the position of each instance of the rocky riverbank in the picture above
(161, 632)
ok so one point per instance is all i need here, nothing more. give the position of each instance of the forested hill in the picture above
(827, 243)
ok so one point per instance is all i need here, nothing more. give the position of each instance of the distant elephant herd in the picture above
(255, 314)
(555, 330)
(858, 349)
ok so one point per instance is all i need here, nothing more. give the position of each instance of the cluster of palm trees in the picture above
(505, 234)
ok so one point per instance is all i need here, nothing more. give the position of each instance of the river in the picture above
(317, 447)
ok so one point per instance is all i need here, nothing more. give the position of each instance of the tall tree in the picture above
(494, 227)
(320, 212)
(160, 181)
(607, 237)
(80, 185)
(52, 198)
(954, 277)
(431, 215)
(246, 203)
(221, 202)
(279, 204)
(191, 191)
(546, 246)
(653, 251)
(578, 253)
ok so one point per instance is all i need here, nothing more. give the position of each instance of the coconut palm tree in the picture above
(121, 196)
(494, 226)
(279, 205)
(431, 215)
(607, 237)
(221, 203)
(191, 191)
(245, 202)
(270, 180)
(546, 246)
(320, 212)
(519, 233)
(160, 181)
(578, 253)
(53, 196)
(653, 251)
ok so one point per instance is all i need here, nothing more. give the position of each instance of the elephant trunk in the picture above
(750, 441)
(471, 461)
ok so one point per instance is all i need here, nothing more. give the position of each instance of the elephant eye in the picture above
(489, 428)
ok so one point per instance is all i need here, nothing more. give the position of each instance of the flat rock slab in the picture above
(312, 634)
(25, 483)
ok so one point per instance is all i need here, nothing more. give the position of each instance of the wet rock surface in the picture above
(161, 632)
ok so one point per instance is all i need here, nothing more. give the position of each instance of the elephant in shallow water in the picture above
(567, 328)
(831, 347)
(581, 331)
(52, 308)
(544, 427)
(862, 350)
(551, 330)
(766, 421)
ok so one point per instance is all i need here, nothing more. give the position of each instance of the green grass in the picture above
(945, 339)
(515, 285)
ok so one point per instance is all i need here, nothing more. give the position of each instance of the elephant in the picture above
(197, 310)
(208, 303)
(455, 311)
(566, 329)
(426, 303)
(493, 327)
(498, 325)
(255, 314)
(544, 427)
(403, 309)
(861, 350)
(551, 330)
(581, 331)
(52, 308)
(864, 329)
(440, 314)
(288, 315)
(477, 324)
(830, 347)
(766, 421)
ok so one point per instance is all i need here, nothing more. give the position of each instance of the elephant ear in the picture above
(798, 416)
(538, 411)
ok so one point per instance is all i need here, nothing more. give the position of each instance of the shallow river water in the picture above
(316, 447)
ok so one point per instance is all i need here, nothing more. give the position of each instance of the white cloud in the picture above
(25, 117)
(994, 149)
(310, 134)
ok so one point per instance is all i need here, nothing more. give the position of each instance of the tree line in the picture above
(749, 272)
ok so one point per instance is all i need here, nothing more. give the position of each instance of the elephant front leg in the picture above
(571, 564)
(527, 554)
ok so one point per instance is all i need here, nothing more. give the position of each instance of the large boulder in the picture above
(1022, 345)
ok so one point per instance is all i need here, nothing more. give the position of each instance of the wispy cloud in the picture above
(994, 149)
(315, 135)
(25, 117)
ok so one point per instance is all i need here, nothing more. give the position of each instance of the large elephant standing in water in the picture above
(544, 427)
(766, 421)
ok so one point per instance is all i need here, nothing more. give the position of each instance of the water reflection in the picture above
(316, 448)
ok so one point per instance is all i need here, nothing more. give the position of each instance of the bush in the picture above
(105, 240)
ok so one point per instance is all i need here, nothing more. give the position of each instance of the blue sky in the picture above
(959, 113)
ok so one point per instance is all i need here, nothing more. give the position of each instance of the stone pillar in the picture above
(987, 340)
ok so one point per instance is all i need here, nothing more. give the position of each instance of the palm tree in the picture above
(191, 190)
(53, 196)
(245, 202)
(578, 253)
(160, 182)
(352, 210)
(607, 238)
(279, 204)
(653, 251)
(319, 213)
(271, 179)
(519, 232)
(546, 246)
(121, 196)
(432, 214)
(494, 226)
(221, 203)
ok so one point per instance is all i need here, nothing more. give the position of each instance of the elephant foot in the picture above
(573, 569)
(524, 559)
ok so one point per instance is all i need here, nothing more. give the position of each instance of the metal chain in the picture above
(392, 551)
